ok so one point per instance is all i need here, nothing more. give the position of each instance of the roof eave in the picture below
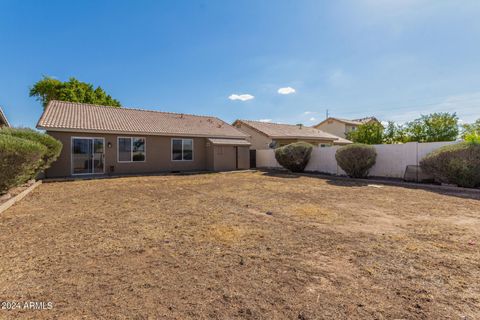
(172, 134)
(305, 138)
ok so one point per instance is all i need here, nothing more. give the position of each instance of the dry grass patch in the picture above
(244, 245)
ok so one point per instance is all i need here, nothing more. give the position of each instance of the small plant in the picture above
(356, 159)
(19, 160)
(456, 164)
(294, 156)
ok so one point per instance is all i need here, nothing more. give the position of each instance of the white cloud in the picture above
(308, 112)
(265, 120)
(242, 97)
(286, 90)
(312, 119)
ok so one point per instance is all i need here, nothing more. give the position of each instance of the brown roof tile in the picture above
(81, 117)
(287, 131)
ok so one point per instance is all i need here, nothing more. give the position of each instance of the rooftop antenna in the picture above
(327, 114)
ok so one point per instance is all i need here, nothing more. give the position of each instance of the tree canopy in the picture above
(428, 128)
(434, 127)
(73, 90)
(471, 132)
(368, 133)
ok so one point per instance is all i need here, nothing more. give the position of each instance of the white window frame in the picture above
(183, 141)
(71, 155)
(131, 149)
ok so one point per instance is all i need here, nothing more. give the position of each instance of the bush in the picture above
(19, 159)
(294, 156)
(456, 164)
(53, 146)
(473, 137)
(356, 159)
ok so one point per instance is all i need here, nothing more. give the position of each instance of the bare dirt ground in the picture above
(241, 245)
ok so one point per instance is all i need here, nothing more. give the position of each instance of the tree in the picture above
(368, 133)
(394, 133)
(433, 127)
(48, 89)
(471, 128)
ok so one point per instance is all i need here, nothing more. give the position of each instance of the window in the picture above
(182, 149)
(131, 149)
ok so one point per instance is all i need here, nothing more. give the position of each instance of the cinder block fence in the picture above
(392, 159)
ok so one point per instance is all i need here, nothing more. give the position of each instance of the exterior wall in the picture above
(158, 155)
(392, 159)
(225, 158)
(349, 127)
(334, 127)
(243, 157)
(210, 157)
(259, 141)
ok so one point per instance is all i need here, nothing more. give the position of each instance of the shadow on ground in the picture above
(348, 182)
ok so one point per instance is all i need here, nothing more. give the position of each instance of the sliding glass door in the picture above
(88, 155)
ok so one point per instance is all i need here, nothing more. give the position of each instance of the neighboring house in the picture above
(265, 135)
(340, 127)
(100, 140)
(3, 119)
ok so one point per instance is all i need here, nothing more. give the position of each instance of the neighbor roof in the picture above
(81, 117)
(287, 131)
(355, 122)
(3, 119)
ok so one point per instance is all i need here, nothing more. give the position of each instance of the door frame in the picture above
(71, 155)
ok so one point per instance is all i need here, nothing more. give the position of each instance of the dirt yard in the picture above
(241, 245)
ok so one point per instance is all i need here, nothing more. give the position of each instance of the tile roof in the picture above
(81, 117)
(3, 119)
(229, 142)
(355, 122)
(288, 131)
(342, 141)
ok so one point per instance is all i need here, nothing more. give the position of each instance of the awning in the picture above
(229, 142)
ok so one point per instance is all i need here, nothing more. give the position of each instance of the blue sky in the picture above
(393, 59)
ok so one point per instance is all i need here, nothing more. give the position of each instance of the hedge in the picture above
(19, 160)
(294, 156)
(455, 164)
(54, 147)
(356, 159)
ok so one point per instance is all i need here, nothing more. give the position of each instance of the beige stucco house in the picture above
(3, 119)
(102, 140)
(265, 135)
(340, 127)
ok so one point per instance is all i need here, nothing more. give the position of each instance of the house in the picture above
(101, 140)
(3, 119)
(265, 135)
(340, 127)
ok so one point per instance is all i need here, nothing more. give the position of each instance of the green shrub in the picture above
(456, 164)
(54, 147)
(19, 159)
(294, 156)
(473, 137)
(356, 159)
